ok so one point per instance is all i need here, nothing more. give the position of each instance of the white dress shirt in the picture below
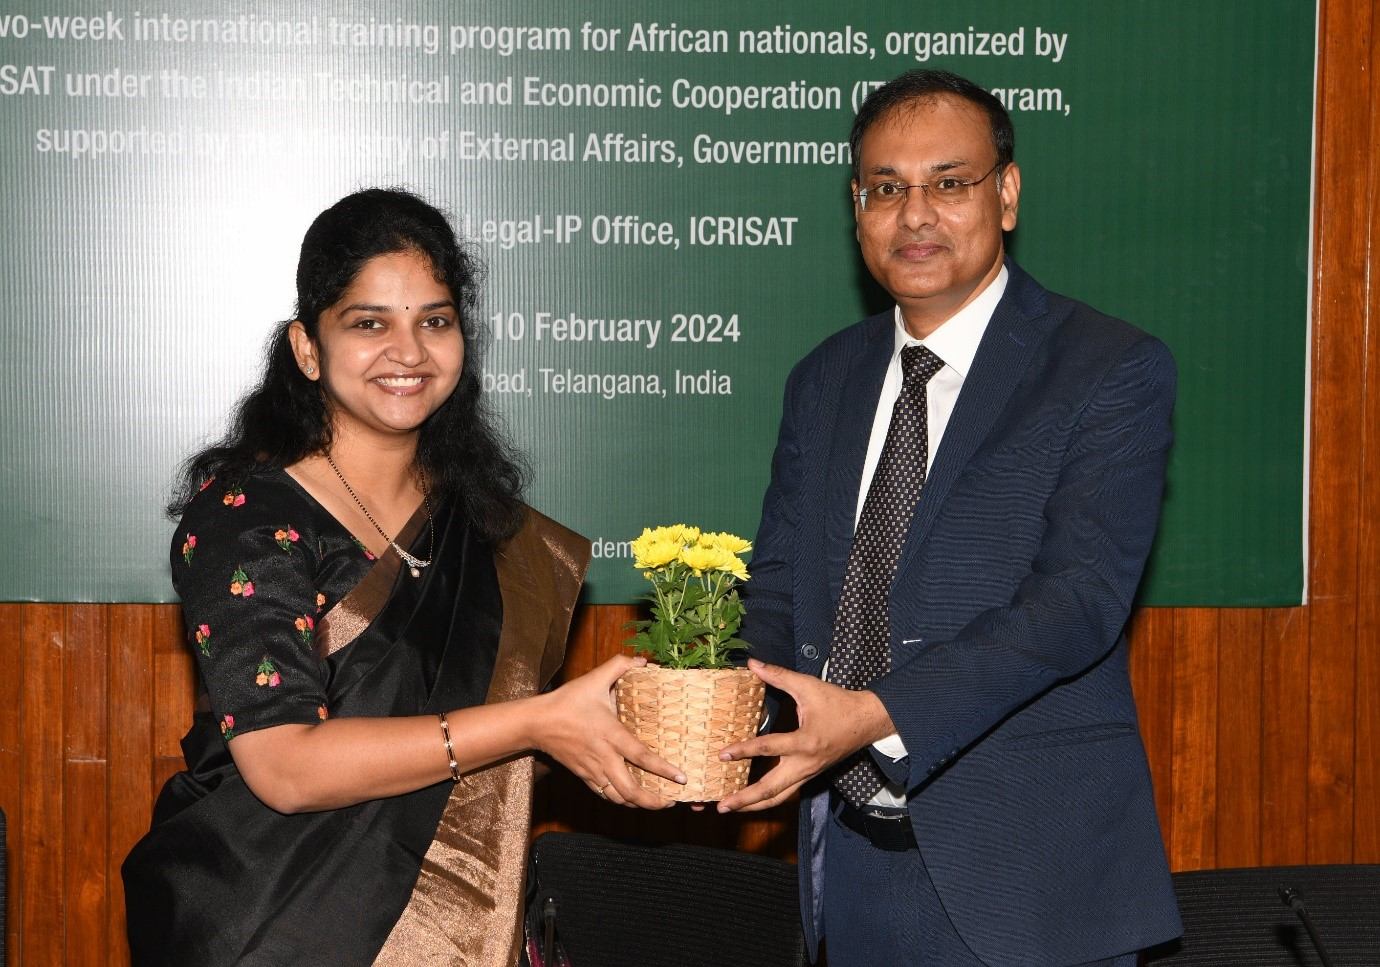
(956, 343)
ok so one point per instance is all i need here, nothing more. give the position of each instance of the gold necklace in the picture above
(415, 564)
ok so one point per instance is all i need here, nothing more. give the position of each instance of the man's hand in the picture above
(834, 722)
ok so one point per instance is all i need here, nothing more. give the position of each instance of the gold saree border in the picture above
(466, 907)
(348, 617)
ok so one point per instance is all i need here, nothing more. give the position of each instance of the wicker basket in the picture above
(688, 717)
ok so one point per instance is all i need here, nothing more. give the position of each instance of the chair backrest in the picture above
(621, 904)
(1236, 917)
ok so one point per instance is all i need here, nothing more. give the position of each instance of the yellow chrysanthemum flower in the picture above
(700, 559)
(662, 553)
(649, 536)
(642, 540)
(729, 542)
(735, 566)
(655, 553)
(682, 533)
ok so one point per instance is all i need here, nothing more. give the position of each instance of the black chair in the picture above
(1237, 917)
(619, 904)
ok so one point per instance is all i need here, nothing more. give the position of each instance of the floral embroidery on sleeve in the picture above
(305, 625)
(286, 537)
(267, 674)
(256, 538)
(240, 584)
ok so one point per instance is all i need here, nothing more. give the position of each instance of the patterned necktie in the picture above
(861, 648)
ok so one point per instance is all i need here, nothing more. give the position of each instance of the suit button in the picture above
(810, 652)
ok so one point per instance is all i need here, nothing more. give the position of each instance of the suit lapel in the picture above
(857, 404)
(1006, 349)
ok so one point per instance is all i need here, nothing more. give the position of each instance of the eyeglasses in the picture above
(947, 190)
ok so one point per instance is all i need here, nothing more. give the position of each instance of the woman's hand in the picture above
(578, 725)
(304, 768)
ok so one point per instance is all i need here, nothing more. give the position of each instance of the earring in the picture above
(309, 369)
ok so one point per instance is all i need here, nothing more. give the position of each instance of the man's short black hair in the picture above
(919, 84)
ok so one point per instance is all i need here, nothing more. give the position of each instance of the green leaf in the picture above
(642, 645)
(688, 632)
(658, 634)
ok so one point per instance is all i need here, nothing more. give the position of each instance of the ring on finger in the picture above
(601, 789)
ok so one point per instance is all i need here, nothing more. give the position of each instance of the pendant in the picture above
(416, 573)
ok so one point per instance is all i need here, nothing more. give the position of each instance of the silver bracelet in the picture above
(450, 750)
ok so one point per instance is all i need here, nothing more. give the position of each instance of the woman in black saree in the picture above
(374, 615)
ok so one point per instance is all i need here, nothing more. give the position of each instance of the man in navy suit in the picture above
(963, 495)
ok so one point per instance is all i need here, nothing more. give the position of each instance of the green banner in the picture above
(660, 195)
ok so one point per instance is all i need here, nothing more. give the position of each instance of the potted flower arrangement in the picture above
(692, 700)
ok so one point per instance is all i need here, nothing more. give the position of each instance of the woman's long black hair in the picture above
(460, 452)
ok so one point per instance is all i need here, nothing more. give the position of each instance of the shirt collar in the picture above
(956, 340)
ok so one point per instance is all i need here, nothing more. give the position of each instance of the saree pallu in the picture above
(431, 877)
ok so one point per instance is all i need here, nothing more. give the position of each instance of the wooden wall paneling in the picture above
(41, 896)
(1366, 835)
(579, 649)
(555, 806)
(1152, 678)
(1284, 737)
(611, 630)
(772, 833)
(1342, 250)
(130, 713)
(174, 693)
(1239, 677)
(84, 815)
(1331, 711)
(84, 682)
(11, 760)
(1366, 806)
(1193, 840)
(84, 925)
